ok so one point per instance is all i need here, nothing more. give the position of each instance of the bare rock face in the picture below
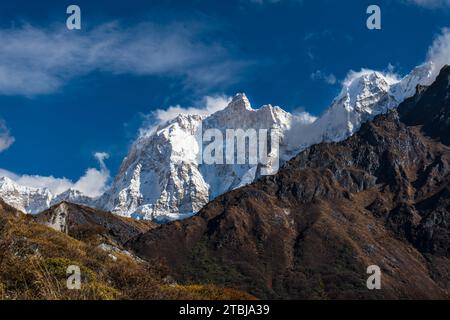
(381, 197)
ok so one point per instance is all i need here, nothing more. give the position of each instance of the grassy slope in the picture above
(34, 259)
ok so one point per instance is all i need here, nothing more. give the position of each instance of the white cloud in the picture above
(390, 77)
(430, 3)
(206, 106)
(210, 105)
(6, 139)
(303, 117)
(93, 183)
(101, 157)
(327, 78)
(438, 55)
(55, 185)
(36, 61)
(439, 51)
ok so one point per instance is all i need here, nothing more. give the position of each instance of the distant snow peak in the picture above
(73, 196)
(364, 95)
(26, 199)
(34, 200)
(240, 102)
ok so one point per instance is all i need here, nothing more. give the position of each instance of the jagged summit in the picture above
(34, 200)
(25, 199)
(73, 196)
(420, 75)
(239, 102)
(364, 95)
(360, 90)
(162, 178)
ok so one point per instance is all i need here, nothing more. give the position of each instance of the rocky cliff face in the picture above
(381, 197)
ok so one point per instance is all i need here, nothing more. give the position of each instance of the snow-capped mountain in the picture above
(151, 177)
(363, 96)
(73, 196)
(162, 178)
(34, 200)
(26, 199)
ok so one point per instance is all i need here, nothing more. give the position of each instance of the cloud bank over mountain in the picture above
(208, 106)
(93, 183)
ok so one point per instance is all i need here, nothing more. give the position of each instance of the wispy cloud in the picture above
(6, 139)
(430, 3)
(321, 76)
(205, 107)
(93, 183)
(36, 61)
(209, 105)
(439, 51)
(438, 55)
(55, 185)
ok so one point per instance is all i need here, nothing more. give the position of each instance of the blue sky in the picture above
(66, 95)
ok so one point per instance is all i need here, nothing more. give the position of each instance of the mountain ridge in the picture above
(161, 180)
(367, 95)
(380, 197)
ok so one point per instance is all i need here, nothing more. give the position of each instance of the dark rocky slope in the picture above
(34, 260)
(380, 197)
(88, 224)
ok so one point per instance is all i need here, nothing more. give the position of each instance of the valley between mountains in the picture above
(373, 190)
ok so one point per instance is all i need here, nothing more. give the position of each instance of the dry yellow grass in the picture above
(34, 260)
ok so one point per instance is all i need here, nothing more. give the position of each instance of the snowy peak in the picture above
(361, 88)
(72, 196)
(183, 122)
(34, 200)
(364, 95)
(25, 199)
(406, 87)
(239, 114)
(361, 91)
(162, 178)
(239, 103)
